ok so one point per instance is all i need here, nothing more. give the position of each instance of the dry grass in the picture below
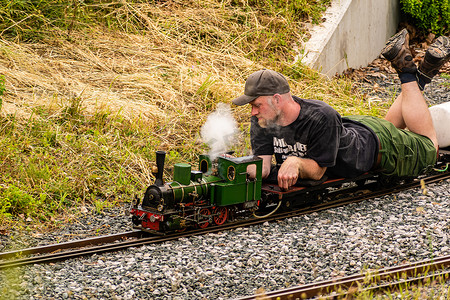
(120, 71)
(191, 55)
(187, 48)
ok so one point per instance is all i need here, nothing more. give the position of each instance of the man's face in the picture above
(266, 112)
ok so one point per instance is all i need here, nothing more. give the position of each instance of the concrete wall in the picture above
(353, 34)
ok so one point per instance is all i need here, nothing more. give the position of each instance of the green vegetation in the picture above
(432, 286)
(52, 161)
(292, 10)
(429, 15)
(88, 98)
(35, 19)
(446, 76)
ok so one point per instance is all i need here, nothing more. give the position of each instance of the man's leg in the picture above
(411, 110)
(395, 115)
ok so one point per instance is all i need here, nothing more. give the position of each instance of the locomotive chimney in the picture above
(160, 157)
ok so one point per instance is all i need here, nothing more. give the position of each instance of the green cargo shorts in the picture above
(403, 153)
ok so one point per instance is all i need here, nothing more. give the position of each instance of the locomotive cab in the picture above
(236, 186)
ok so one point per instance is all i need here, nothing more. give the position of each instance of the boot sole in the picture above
(439, 51)
(435, 57)
(394, 45)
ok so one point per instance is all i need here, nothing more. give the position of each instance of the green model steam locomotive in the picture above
(211, 195)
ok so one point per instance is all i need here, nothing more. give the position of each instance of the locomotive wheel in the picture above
(221, 215)
(204, 212)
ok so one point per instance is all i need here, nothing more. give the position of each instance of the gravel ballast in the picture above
(382, 232)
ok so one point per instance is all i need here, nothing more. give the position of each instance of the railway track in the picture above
(372, 281)
(72, 244)
(121, 241)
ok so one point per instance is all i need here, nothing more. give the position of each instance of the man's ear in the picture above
(277, 98)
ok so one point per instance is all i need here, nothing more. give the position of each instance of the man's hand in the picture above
(251, 169)
(289, 171)
(294, 168)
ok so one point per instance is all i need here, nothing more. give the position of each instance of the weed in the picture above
(399, 287)
(447, 77)
(15, 201)
(73, 111)
(101, 204)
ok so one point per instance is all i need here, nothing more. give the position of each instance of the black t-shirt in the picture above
(347, 148)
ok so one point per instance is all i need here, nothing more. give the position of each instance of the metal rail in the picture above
(371, 280)
(73, 244)
(158, 239)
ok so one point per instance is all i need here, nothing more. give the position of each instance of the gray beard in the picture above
(269, 123)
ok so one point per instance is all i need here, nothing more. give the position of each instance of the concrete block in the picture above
(352, 35)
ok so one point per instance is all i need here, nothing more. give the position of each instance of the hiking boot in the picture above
(435, 57)
(398, 53)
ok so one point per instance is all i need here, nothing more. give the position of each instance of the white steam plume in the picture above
(219, 130)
